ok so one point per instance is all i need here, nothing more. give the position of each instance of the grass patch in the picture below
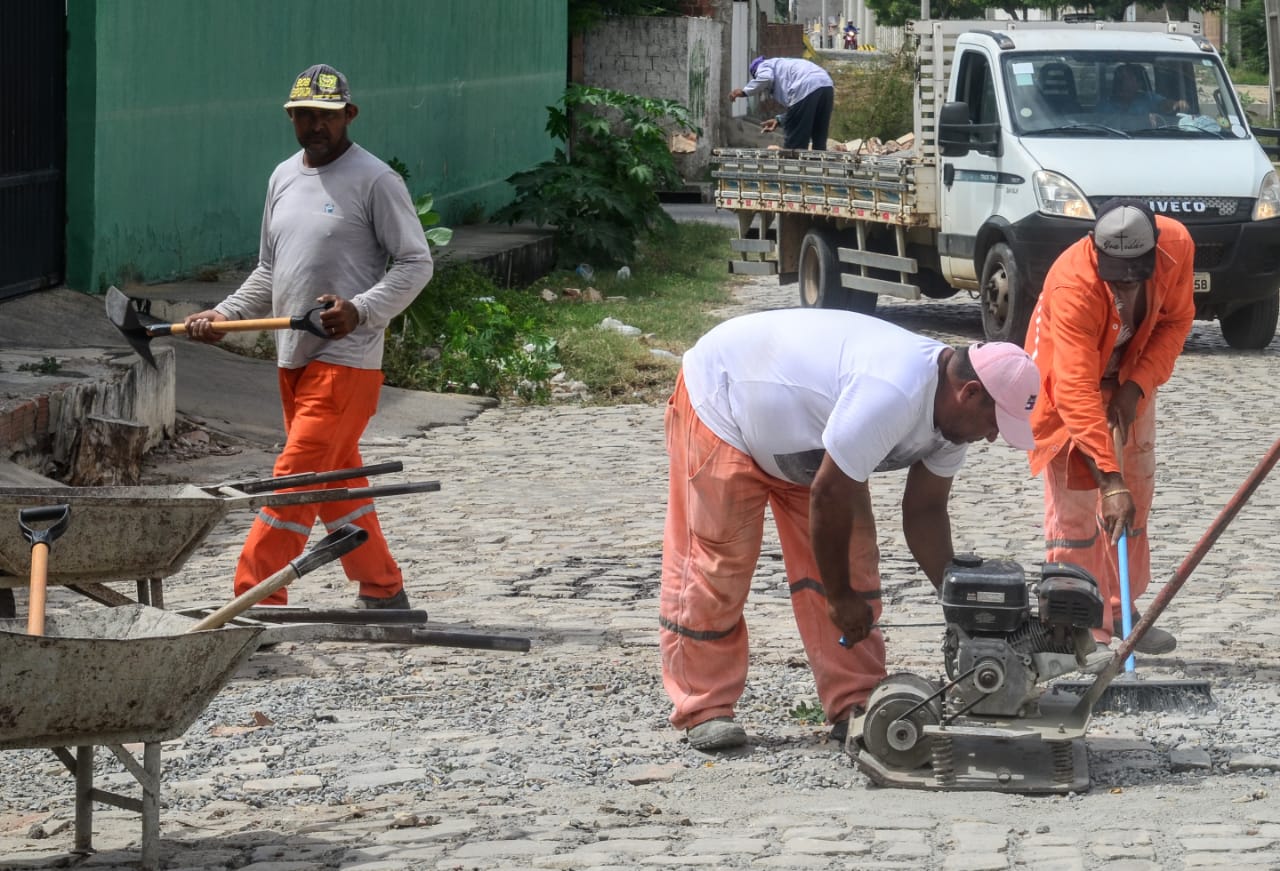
(464, 334)
(872, 99)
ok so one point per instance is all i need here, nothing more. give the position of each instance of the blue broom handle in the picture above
(1122, 554)
(1122, 558)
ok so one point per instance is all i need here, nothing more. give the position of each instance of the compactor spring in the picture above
(943, 753)
(1064, 761)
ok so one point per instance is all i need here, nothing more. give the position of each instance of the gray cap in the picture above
(319, 87)
(1124, 237)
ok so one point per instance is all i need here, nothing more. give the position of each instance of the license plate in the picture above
(1200, 282)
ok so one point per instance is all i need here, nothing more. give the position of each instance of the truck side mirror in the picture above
(957, 135)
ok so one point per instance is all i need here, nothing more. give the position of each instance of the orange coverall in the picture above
(715, 523)
(326, 410)
(1071, 337)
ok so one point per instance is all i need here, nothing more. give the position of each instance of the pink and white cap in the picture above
(1012, 379)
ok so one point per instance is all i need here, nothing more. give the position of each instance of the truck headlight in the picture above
(1059, 196)
(1268, 204)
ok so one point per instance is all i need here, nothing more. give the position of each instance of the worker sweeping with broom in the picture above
(1114, 313)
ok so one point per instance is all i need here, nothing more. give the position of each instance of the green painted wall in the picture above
(175, 115)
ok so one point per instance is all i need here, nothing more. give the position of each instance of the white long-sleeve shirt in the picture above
(789, 79)
(333, 229)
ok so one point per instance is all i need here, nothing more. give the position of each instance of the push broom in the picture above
(1130, 693)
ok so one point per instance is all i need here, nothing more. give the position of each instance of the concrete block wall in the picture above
(663, 58)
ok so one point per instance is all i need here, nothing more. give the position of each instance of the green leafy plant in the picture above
(46, 366)
(459, 337)
(811, 714)
(873, 100)
(428, 217)
(600, 190)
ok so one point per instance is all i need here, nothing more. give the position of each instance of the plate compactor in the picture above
(993, 724)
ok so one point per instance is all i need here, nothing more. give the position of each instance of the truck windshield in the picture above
(1121, 94)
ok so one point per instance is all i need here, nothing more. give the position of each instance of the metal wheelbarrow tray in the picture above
(115, 676)
(146, 532)
(127, 675)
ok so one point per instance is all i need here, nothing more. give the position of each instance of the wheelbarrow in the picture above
(146, 533)
(127, 675)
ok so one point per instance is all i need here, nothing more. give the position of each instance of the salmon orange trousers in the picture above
(326, 410)
(714, 529)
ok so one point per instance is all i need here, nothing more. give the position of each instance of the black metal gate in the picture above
(33, 125)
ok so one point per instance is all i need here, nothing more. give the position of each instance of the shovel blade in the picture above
(124, 317)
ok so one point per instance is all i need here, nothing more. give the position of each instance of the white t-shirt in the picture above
(785, 386)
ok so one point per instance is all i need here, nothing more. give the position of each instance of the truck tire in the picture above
(1252, 327)
(1006, 298)
(819, 277)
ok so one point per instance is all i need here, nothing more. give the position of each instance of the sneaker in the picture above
(399, 601)
(1095, 662)
(1155, 641)
(719, 733)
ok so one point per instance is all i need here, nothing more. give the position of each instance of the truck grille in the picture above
(1194, 210)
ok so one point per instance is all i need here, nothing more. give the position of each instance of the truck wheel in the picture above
(1006, 300)
(1252, 327)
(819, 277)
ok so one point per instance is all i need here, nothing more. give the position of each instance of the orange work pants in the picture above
(1073, 530)
(326, 410)
(714, 529)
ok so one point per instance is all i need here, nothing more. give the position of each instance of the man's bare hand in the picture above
(340, 318)
(852, 616)
(736, 93)
(769, 126)
(1118, 512)
(199, 326)
(1122, 411)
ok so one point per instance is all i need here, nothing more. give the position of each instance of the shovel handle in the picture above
(342, 541)
(40, 540)
(36, 593)
(222, 326)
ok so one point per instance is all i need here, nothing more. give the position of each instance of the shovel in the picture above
(139, 333)
(337, 543)
(58, 516)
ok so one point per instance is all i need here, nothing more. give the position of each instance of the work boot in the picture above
(399, 601)
(719, 733)
(1155, 641)
(840, 728)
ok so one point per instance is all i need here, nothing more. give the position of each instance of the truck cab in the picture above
(1044, 124)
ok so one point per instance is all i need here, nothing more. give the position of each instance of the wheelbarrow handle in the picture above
(338, 494)
(302, 479)
(338, 543)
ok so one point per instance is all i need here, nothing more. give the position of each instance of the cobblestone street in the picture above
(549, 524)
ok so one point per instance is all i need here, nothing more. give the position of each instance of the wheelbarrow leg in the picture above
(151, 806)
(84, 799)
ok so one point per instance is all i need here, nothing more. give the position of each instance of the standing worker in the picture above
(794, 410)
(1114, 313)
(335, 216)
(805, 90)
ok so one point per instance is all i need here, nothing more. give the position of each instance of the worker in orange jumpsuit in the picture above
(1111, 320)
(335, 216)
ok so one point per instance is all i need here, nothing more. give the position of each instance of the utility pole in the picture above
(1272, 12)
